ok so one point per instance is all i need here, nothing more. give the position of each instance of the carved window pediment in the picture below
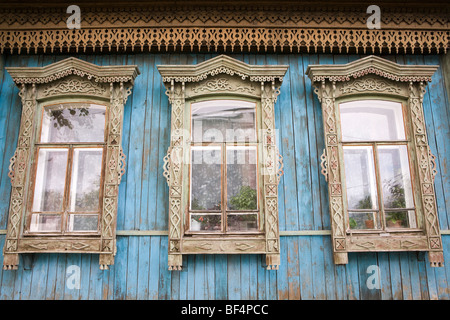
(70, 134)
(377, 160)
(223, 92)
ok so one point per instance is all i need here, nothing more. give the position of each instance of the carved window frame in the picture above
(223, 77)
(69, 80)
(378, 78)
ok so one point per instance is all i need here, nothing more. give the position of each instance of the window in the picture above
(376, 165)
(68, 163)
(223, 165)
(224, 169)
(68, 173)
(377, 161)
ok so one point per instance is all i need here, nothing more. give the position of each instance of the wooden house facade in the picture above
(148, 65)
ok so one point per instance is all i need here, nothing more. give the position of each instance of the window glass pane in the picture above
(223, 121)
(395, 177)
(242, 178)
(73, 122)
(400, 219)
(364, 220)
(50, 179)
(83, 222)
(371, 120)
(205, 222)
(85, 184)
(242, 222)
(45, 223)
(206, 177)
(360, 177)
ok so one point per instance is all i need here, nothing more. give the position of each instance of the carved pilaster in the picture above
(271, 169)
(331, 167)
(115, 169)
(174, 171)
(426, 172)
(19, 171)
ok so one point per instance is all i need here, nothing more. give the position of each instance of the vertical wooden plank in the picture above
(209, 277)
(262, 279)
(396, 281)
(292, 106)
(366, 260)
(414, 273)
(164, 273)
(352, 276)
(405, 275)
(245, 277)
(143, 268)
(199, 277)
(332, 289)
(154, 267)
(306, 278)
(85, 269)
(234, 277)
(120, 269)
(220, 275)
(191, 277)
(253, 277)
(385, 276)
(95, 279)
(423, 279)
(134, 174)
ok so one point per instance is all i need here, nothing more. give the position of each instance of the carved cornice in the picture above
(230, 28)
(371, 65)
(73, 66)
(222, 64)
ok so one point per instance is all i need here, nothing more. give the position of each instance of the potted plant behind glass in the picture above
(366, 203)
(397, 219)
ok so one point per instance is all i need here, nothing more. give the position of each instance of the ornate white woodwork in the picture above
(374, 76)
(222, 76)
(76, 79)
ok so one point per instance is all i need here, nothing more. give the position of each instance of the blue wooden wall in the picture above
(307, 270)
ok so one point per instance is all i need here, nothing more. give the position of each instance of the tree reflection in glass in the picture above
(206, 191)
(73, 122)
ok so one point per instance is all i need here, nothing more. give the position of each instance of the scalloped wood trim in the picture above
(225, 39)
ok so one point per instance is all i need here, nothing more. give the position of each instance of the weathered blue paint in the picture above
(307, 270)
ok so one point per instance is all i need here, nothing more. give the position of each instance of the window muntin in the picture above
(224, 170)
(68, 172)
(376, 165)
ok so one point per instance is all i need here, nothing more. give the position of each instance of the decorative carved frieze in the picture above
(243, 27)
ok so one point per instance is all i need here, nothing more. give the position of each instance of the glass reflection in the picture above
(73, 122)
(206, 177)
(223, 121)
(85, 184)
(360, 177)
(241, 178)
(50, 180)
(371, 120)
